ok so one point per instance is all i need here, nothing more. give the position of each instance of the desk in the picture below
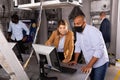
(76, 76)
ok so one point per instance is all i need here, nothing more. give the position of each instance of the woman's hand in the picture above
(72, 63)
(47, 44)
(66, 61)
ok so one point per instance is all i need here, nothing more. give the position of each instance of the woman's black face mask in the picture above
(78, 29)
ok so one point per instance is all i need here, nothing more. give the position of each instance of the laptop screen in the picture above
(55, 59)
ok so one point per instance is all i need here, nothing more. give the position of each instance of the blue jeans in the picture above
(99, 72)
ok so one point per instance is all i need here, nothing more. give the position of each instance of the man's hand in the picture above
(24, 38)
(72, 63)
(9, 36)
(9, 39)
(86, 69)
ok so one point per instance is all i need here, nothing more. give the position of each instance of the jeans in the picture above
(21, 49)
(99, 72)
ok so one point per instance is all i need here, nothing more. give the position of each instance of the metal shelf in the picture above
(49, 4)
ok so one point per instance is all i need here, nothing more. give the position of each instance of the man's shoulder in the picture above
(91, 28)
(106, 20)
(93, 31)
(20, 22)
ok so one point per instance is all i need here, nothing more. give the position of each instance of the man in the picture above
(90, 42)
(15, 30)
(105, 28)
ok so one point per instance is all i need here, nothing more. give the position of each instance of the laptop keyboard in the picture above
(68, 70)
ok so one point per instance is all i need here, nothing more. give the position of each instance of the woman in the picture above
(63, 40)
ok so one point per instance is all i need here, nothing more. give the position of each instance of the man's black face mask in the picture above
(78, 29)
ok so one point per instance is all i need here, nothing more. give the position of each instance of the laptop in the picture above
(50, 55)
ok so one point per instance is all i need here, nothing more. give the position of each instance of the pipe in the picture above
(32, 1)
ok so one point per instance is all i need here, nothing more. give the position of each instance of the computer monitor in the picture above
(50, 54)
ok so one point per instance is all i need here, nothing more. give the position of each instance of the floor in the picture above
(111, 73)
(32, 70)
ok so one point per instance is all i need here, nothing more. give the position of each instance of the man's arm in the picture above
(9, 36)
(92, 62)
(74, 62)
(89, 66)
(76, 56)
(9, 31)
(25, 28)
(27, 32)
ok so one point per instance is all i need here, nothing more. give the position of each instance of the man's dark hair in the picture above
(15, 16)
(102, 13)
(76, 12)
(81, 15)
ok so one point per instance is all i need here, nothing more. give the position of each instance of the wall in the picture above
(4, 14)
(118, 33)
(86, 9)
(114, 17)
(65, 13)
(43, 35)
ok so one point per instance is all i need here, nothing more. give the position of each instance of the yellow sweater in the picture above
(68, 45)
